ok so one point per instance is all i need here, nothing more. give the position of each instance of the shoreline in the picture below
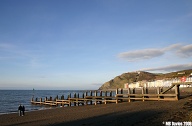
(44, 108)
(133, 113)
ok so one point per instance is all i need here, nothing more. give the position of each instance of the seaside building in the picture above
(159, 83)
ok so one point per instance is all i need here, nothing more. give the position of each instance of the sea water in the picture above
(11, 99)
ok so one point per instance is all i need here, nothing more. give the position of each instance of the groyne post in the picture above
(121, 90)
(146, 92)
(128, 93)
(45, 99)
(101, 93)
(91, 95)
(110, 93)
(69, 96)
(83, 95)
(133, 90)
(177, 92)
(158, 92)
(95, 93)
(133, 93)
(62, 97)
(142, 91)
(75, 104)
(117, 91)
(105, 93)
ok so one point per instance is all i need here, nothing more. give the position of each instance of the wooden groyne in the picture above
(114, 96)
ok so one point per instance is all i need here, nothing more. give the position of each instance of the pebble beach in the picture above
(121, 114)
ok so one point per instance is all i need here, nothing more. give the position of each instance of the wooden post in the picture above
(116, 95)
(129, 92)
(95, 93)
(158, 92)
(101, 93)
(62, 97)
(177, 93)
(117, 91)
(69, 96)
(105, 93)
(110, 93)
(161, 90)
(40, 99)
(133, 93)
(50, 98)
(78, 98)
(95, 98)
(121, 91)
(83, 95)
(75, 103)
(133, 90)
(86, 93)
(143, 93)
(36, 99)
(91, 95)
(146, 90)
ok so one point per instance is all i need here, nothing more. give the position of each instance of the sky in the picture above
(81, 44)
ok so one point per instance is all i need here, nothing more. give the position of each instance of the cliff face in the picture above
(130, 77)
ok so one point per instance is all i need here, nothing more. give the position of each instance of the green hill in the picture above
(130, 77)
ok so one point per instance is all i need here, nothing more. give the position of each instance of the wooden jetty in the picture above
(115, 96)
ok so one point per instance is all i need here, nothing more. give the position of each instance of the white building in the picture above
(158, 83)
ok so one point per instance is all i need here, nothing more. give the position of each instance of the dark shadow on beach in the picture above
(117, 119)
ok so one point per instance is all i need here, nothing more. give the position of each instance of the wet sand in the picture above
(121, 114)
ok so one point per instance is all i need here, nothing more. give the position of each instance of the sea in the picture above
(11, 99)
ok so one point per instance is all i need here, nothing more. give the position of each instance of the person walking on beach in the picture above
(20, 109)
(23, 110)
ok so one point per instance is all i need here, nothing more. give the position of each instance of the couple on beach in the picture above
(21, 110)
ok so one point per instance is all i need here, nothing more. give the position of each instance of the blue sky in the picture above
(81, 44)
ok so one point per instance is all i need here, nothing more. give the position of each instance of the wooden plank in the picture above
(151, 99)
(135, 95)
(116, 101)
(168, 99)
(168, 95)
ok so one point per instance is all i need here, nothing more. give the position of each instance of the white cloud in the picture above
(185, 51)
(141, 54)
(178, 50)
(175, 67)
(172, 47)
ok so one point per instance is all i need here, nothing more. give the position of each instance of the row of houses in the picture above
(159, 83)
